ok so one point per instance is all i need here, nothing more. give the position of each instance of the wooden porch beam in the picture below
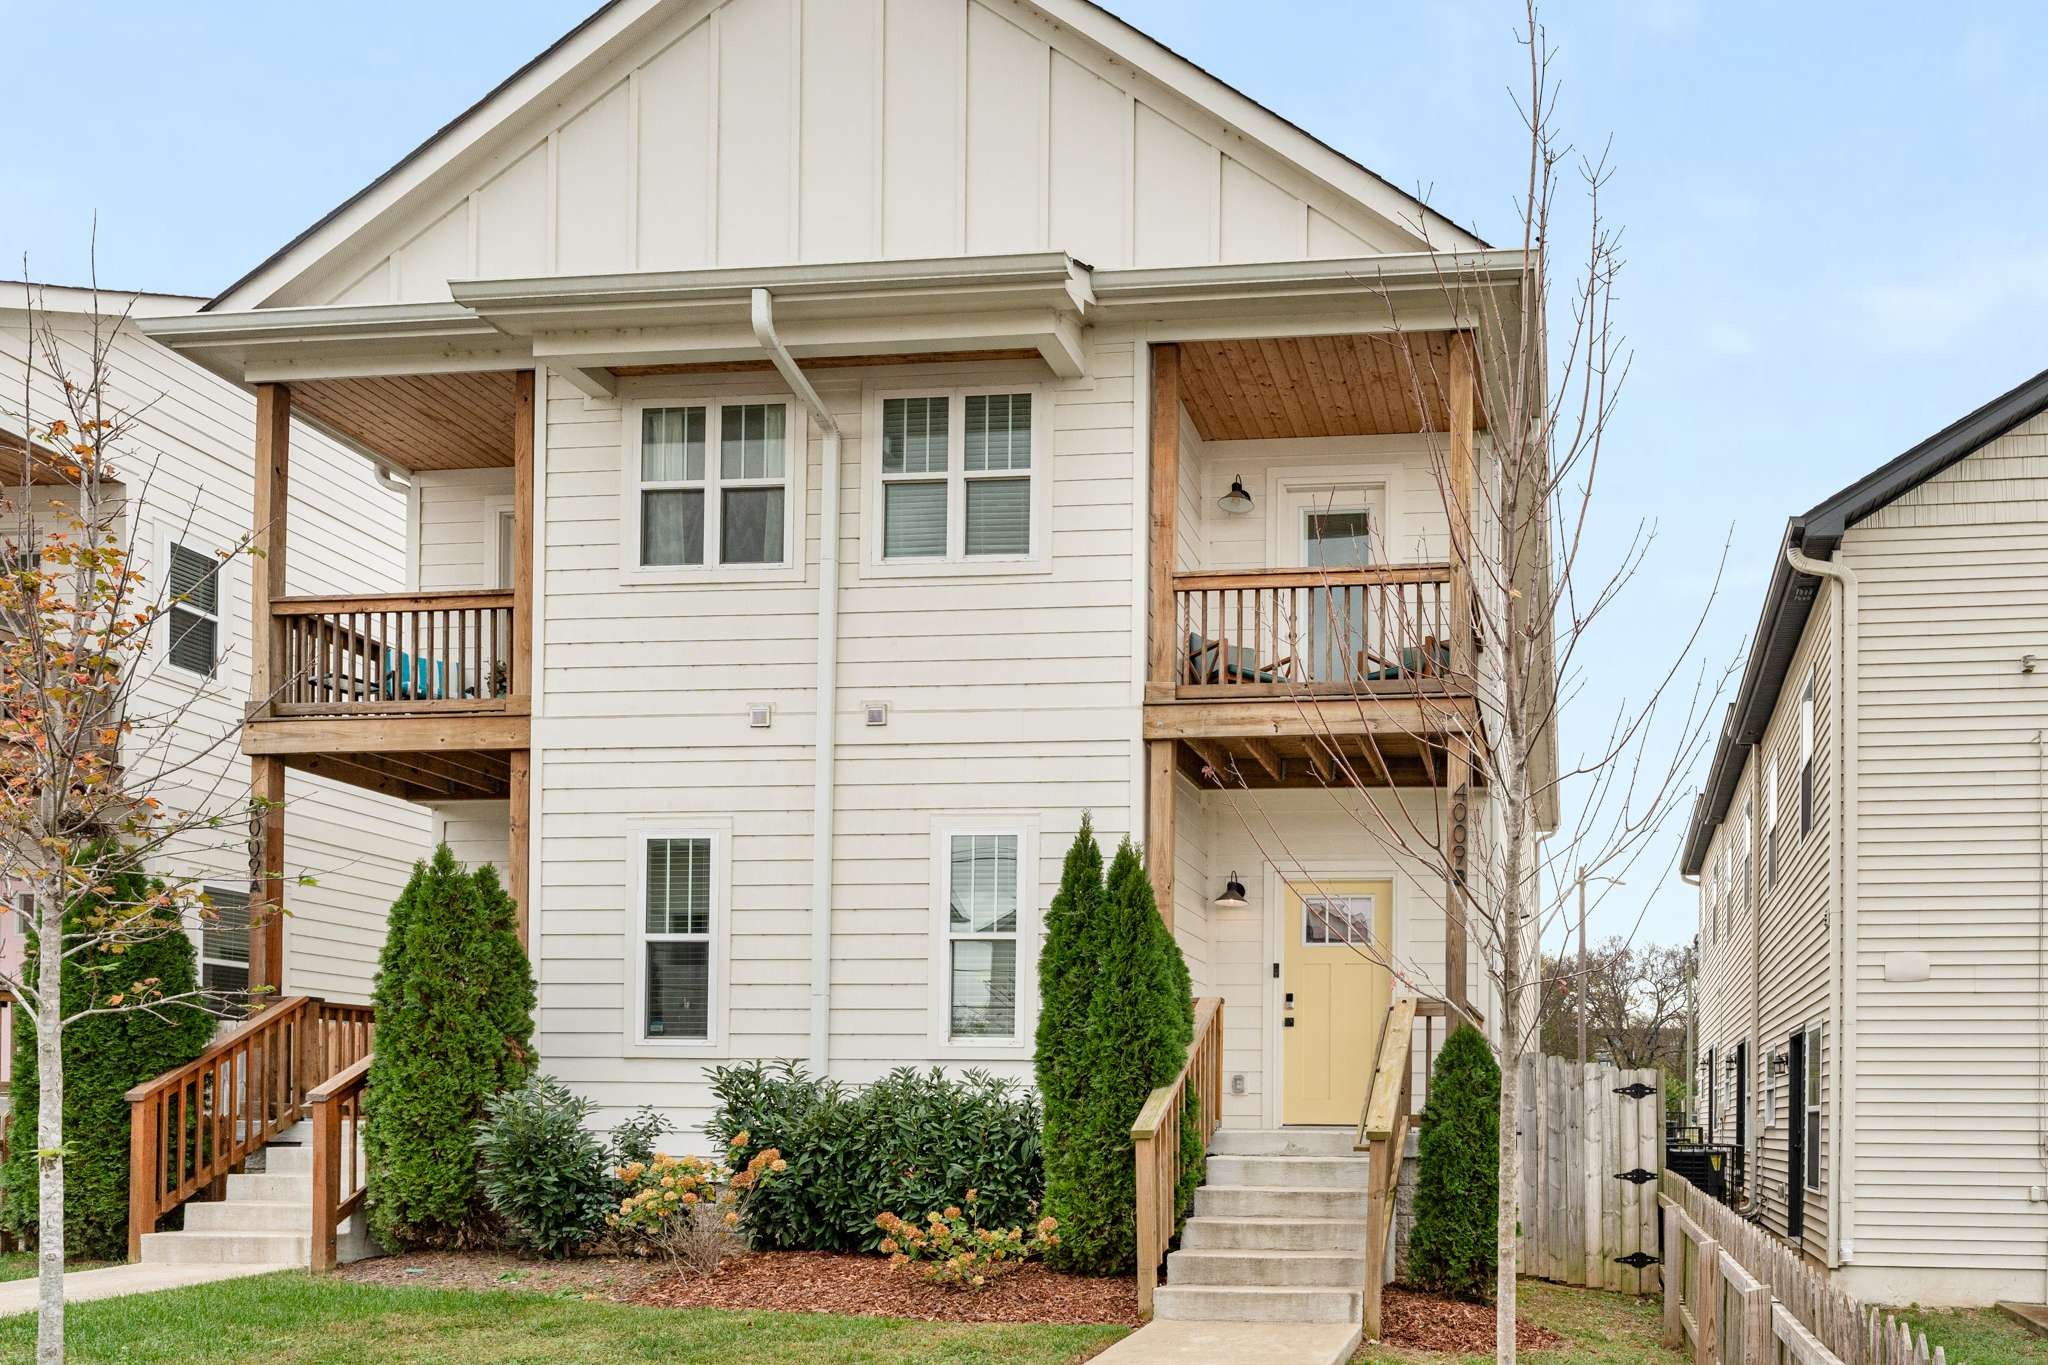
(1267, 757)
(1456, 799)
(1159, 798)
(266, 876)
(1270, 718)
(420, 777)
(521, 681)
(1463, 401)
(422, 734)
(1165, 496)
(518, 858)
(268, 540)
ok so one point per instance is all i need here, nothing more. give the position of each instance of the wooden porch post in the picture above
(266, 877)
(518, 859)
(522, 535)
(1456, 799)
(1458, 474)
(273, 479)
(1165, 494)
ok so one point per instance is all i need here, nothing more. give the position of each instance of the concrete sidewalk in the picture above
(19, 1296)
(1239, 1343)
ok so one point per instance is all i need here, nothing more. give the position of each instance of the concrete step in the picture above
(1273, 1234)
(1282, 1142)
(1266, 1269)
(227, 1248)
(248, 1215)
(271, 1188)
(297, 1160)
(1270, 1201)
(1292, 1172)
(1212, 1303)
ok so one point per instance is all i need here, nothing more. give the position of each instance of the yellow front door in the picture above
(1336, 987)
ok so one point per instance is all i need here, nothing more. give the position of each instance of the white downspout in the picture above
(826, 723)
(1842, 1207)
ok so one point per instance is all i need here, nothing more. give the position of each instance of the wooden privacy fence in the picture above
(1737, 1296)
(1592, 1144)
(1155, 1136)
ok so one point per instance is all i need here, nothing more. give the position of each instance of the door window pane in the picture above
(913, 520)
(672, 526)
(750, 526)
(1339, 540)
(998, 516)
(679, 990)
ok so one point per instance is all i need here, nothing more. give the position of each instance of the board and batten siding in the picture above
(759, 132)
(347, 536)
(1011, 697)
(1794, 983)
(1953, 580)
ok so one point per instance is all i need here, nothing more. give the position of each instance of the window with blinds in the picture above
(193, 601)
(956, 476)
(224, 943)
(678, 914)
(695, 509)
(981, 933)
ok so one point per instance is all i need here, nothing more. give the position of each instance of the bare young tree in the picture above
(1632, 996)
(103, 772)
(1467, 689)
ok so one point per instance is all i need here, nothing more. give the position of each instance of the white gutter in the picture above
(825, 740)
(1841, 1201)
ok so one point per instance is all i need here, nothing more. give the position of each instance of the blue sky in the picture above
(1836, 221)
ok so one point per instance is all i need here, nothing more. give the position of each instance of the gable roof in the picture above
(1788, 602)
(615, 23)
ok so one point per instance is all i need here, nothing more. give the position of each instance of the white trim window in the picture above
(677, 910)
(959, 478)
(984, 881)
(192, 610)
(1812, 1102)
(224, 943)
(713, 486)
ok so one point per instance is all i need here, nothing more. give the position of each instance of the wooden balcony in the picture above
(397, 654)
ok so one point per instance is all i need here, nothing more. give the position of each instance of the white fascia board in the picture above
(17, 296)
(1052, 333)
(1409, 291)
(337, 342)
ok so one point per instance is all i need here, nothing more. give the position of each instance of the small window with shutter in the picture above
(192, 610)
(956, 479)
(224, 944)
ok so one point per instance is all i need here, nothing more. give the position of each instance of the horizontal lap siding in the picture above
(194, 441)
(1954, 585)
(1009, 696)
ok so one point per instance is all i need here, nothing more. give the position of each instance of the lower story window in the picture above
(224, 944)
(1812, 1099)
(677, 895)
(981, 936)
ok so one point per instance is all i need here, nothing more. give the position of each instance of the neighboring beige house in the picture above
(190, 447)
(1872, 870)
(845, 443)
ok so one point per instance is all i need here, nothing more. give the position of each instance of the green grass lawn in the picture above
(1978, 1336)
(21, 1265)
(295, 1319)
(1598, 1329)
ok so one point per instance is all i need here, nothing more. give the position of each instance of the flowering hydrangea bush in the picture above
(691, 1209)
(954, 1252)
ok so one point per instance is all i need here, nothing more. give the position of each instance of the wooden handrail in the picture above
(1366, 575)
(1155, 1137)
(195, 1124)
(336, 1106)
(391, 601)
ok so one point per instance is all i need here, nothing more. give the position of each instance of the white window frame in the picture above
(638, 834)
(1808, 798)
(1768, 1084)
(223, 644)
(1810, 1109)
(795, 485)
(956, 562)
(1029, 940)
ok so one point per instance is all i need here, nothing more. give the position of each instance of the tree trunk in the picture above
(1507, 1204)
(49, 1026)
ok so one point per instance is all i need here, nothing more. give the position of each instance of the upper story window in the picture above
(193, 610)
(713, 486)
(1806, 758)
(958, 479)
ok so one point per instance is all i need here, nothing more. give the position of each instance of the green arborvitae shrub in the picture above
(454, 999)
(912, 1143)
(1452, 1248)
(1123, 987)
(104, 1055)
(1066, 979)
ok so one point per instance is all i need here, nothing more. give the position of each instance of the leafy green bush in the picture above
(1452, 1247)
(541, 1169)
(104, 1055)
(912, 1140)
(1113, 978)
(454, 1000)
(634, 1138)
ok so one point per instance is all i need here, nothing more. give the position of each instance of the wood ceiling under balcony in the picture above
(461, 420)
(1271, 388)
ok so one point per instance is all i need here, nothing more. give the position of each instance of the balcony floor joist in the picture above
(413, 758)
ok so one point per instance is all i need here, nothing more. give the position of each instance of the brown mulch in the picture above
(868, 1286)
(1426, 1322)
(615, 1278)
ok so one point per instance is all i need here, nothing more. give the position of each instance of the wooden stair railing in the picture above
(1155, 1134)
(338, 1179)
(1383, 1131)
(191, 1127)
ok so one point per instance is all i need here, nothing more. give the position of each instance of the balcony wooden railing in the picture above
(191, 1127)
(1281, 632)
(338, 1178)
(1156, 1135)
(394, 653)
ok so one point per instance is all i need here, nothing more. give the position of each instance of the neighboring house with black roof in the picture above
(1871, 849)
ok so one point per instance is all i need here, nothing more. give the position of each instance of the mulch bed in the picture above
(868, 1286)
(1426, 1322)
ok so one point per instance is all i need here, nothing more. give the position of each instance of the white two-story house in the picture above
(1870, 855)
(844, 443)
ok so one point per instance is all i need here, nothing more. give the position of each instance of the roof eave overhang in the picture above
(1418, 290)
(284, 344)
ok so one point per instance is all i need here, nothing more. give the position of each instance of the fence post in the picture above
(1674, 1275)
(1706, 1306)
(1149, 1250)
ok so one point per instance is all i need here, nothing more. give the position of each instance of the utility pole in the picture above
(1584, 980)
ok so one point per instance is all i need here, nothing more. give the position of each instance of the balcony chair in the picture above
(411, 679)
(1432, 660)
(1210, 661)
